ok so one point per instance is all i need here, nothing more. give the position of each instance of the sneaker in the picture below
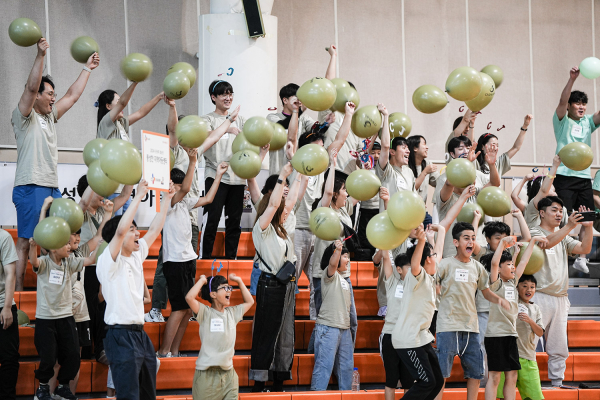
(168, 355)
(154, 315)
(581, 265)
(43, 393)
(102, 358)
(62, 392)
(193, 319)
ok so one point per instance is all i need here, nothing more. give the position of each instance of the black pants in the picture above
(422, 363)
(96, 309)
(132, 363)
(232, 198)
(57, 340)
(394, 367)
(364, 217)
(574, 192)
(9, 358)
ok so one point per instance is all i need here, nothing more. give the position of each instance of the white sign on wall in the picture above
(156, 158)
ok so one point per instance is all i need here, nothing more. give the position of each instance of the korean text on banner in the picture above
(156, 159)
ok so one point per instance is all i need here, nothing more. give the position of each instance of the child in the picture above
(333, 340)
(529, 327)
(501, 335)
(457, 327)
(215, 378)
(179, 258)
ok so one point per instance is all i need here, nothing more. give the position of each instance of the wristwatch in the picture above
(279, 181)
(228, 117)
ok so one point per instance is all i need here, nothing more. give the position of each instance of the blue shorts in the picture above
(466, 346)
(28, 200)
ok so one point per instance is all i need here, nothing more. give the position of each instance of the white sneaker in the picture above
(154, 315)
(581, 265)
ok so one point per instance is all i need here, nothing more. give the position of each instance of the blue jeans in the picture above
(333, 353)
(121, 210)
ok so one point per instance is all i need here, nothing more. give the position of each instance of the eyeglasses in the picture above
(433, 255)
(226, 288)
(51, 94)
(226, 95)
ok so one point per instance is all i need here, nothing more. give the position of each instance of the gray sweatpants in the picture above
(304, 242)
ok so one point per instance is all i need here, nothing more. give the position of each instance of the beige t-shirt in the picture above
(221, 151)
(502, 322)
(89, 229)
(381, 290)
(8, 255)
(430, 180)
(527, 340)
(394, 291)
(481, 303)
(289, 224)
(304, 205)
(119, 129)
(335, 309)
(395, 179)
(277, 158)
(80, 308)
(54, 299)
(459, 281)
(502, 165)
(217, 334)
(346, 162)
(274, 250)
(37, 151)
(416, 312)
(553, 277)
(182, 162)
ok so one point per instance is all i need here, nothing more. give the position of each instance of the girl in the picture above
(424, 171)
(215, 378)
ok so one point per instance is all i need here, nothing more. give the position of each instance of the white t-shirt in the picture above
(177, 232)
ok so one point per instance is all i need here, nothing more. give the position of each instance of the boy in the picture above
(179, 258)
(457, 327)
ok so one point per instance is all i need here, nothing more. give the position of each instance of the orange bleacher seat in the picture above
(367, 334)
(246, 245)
(84, 385)
(30, 280)
(317, 395)
(154, 247)
(26, 381)
(583, 333)
(354, 274)
(149, 271)
(99, 375)
(457, 374)
(242, 268)
(302, 300)
(13, 233)
(542, 361)
(370, 367)
(26, 345)
(366, 274)
(166, 312)
(298, 335)
(309, 326)
(302, 280)
(366, 302)
(27, 301)
(153, 330)
(585, 366)
(272, 396)
(368, 395)
(203, 267)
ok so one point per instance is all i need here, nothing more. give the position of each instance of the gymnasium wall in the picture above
(387, 48)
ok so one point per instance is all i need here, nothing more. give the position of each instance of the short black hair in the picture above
(402, 259)
(271, 182)
(486, 260)
(214, 283)
(493, 227)
(459, 228)
(376, 146)
(528, 278)
(288, 91)
(48, 79)
(398, 141)
(310, 137)
(578, 96)
(82, 185)
(351, 84)
(533, 187)
(456, 123)
(547, 202)
(426, 252)
(218, 87)
(328, 253)
(177, 176)
(455, 142)
(111, 228)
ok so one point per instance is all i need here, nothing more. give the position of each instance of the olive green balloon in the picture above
(406, 209)
(92, 150)
(495, 73)
(344, 94)
(241, 143)
(52, 233)
(461, 172)
(494, 201)
(22, 318)
(325, 224)
(429, 99)
(310, 159)
(382, 234)
(99, 181)
(318, 94)
(121, 161)
(576, 156)
(366, 121)
(171, 159)
(176, 85)
(24, 32)
(258, 131)
(136, 67)
(68, 210)
(245, 164)
(192, 131)
(83, 47)
(362, 184)
(536, 261)
(467, 213)
(279, 138)
(186, 69)
(485, 96)
(464, 83)
(399, 125)
(100, 249)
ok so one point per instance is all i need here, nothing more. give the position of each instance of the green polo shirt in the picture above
(568, 131)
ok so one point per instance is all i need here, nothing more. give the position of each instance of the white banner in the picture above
(156, 160)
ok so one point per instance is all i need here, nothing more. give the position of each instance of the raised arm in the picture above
(334, 260)
(45, 207)
(74, 92)
(159, 220)
(210, 196)
(468, 120)
(555, 237)
(292, 197)
(527, 255)
(108, 206)
(216, 134)
(525, 235)
(547, 182)
(586, 236)
(493, 298)
(122, 103)
(145, 109)
(438, 248)
(342, 133)
(456, 207)
(186, 185)
(384, 194)
(329, 183)
(520, 137)
(330, 73)
(426, 171)
(246, 296)
(415, 261)
(384, 155)
(275, 199)
(563, 103)
(34, 79)
(254, 190)
(194, 292)
(517, 191)
(292, 139)
(172, 121)
(122, 198)
(490, 157)
(33, 247)
(506, 242)
(387, 263)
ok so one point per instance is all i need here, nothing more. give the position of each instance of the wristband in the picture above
(85, 68)
(471, 127)
(524, 130)
(228, 117)
(279, 181)
(294, 111)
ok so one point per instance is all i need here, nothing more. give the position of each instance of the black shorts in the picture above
(394, 367)
(502, 353)
(180, 278)
(83, 332)
(574, 192)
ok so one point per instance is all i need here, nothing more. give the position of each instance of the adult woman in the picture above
(424, 171)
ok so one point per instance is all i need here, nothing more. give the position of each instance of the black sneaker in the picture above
(63, 392)
(43, 393)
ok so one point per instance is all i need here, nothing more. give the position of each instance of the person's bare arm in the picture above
(275, 199)
(468, 120)
(10, 279)
(147, 297)
(596, 199)
(210, 196)
(34, 79)
(384, 155)
(506, 242)
(246, 296)
(114, 247)
(33, 259)
(517, 190)
(145, 109)
(159, 220)
(108, 207)
(342, 133)
(426, 171)
(547, 182)
(334, 260)
(172, 121)
(534, 327)
(303, 186)
(86, 199)
(215, 135)
(122, 103)
(555, 237)
(194, 292)
(563, 103)
(438, 248)
(254, 190)
(525, 235)
(122, 198)
(384, 194)
(520, 137)
(292, 196)
(415, 261)
(493, 298)
(490, 158)
(456, 207)
(520, 268)
(330, 72)
(186, 185)
(45, 207)
(74, 92)
(329, 183)
(586, 235)
(293, 127)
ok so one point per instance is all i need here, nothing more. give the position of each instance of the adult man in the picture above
(9, 326)
(33, 123)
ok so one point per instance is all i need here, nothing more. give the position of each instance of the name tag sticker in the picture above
(551, 251)
(401, 183)
(344, 284)
(576, 130)
(56, 276)
(217, 325)
(43, 123)
(399, 291)
(509, 293)
(461, 275)
(523, 309)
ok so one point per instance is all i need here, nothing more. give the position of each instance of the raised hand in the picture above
(93, 61)
(574, 73)
(234, 114)
(350, 107)
(193, 154)
(382, 109)
(42, 46)
(332, 50)
(527, 120)
(384, 193)
(142, 188)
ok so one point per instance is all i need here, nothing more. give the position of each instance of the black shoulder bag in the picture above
(286, 274)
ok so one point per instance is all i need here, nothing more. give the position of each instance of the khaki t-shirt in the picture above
(221, 151)
(532, 215)
(502, 165)
(430, 180)
(119, 129)
(416, 312)
(8, 255)
(217, 334)
(182, 162)
(481, 303)
(394, 290)
(381, 290)
(277, 158)
(37, 151)
(303, 207)
(346, 162)
(527, 340)
(274, 250)
(89, 227)
(54, 299)
(289, 224)
(502, 322)
(459, 283)
(80, 308)
(553, 277)
(395, 179)
(335, 309)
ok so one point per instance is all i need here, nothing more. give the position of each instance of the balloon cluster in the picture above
(180, 79)
(66, 217)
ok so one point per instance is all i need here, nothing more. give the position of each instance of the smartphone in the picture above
(588, 216)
